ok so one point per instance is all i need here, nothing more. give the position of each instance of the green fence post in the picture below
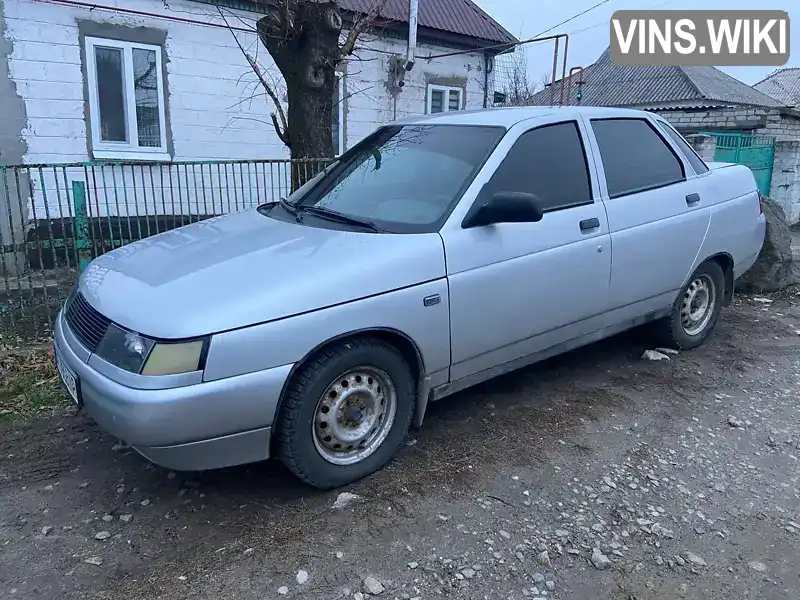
(82, 242)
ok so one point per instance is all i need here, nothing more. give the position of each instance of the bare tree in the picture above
(307, 40)
(543, 81)
(519, 89)
(518, 86)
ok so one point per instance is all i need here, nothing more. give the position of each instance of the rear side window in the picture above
(635, 157)
(697, 163)
(549, 162)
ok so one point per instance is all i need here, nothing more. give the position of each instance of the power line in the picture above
(525, 41)
(606, 22)
(572, 18)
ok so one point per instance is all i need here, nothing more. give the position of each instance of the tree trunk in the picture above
(303, 40)
(310, 119)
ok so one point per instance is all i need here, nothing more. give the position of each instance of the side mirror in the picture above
(505, 207)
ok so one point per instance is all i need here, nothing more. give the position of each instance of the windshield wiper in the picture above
(333, 215)
(291, 208)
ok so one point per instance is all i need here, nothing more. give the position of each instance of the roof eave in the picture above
(462, 41)
(431, 35)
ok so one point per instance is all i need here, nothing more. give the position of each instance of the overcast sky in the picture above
(589, 34)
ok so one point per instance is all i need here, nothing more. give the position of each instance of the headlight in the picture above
(124, 349)
(173, 358)
(139, 354)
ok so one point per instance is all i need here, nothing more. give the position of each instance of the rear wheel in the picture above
(345, 413)
(696, 309)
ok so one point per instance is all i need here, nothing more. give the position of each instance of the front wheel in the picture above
(345, 413)
(696, 309)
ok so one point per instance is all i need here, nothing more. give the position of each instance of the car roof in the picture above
(510, 116)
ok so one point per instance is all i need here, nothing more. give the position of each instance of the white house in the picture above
(152, 83)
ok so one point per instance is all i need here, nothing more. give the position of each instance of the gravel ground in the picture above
(596, 475)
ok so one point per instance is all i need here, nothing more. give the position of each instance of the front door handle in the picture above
(692, 199)
(588, 225)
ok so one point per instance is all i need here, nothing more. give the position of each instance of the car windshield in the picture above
(402, 178)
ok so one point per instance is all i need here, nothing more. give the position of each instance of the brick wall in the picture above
(704, 145)
(782, 127)
(756, 120)
(786, 179)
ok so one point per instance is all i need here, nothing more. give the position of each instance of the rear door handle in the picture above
(588, 225)
(692, 199)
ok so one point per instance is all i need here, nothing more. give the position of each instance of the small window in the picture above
(635, 157)
(337, 132)
(126, 99)
(694, 159)
(549, 162)
(442, 98)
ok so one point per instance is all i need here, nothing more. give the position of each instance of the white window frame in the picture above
(124, 150)
(340, 111)
(445, 89)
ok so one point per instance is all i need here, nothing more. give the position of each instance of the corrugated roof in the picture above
(461, 17)
(783, 85)
(609, 84)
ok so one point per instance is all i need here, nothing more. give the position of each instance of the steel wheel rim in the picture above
(354, 415)
(697, 305)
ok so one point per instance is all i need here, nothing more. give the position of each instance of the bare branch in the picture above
(280, 130)
(282, 127)
(519, 89)
(360, 25)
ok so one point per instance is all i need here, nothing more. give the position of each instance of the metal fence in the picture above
(753, 150)
(55, 218)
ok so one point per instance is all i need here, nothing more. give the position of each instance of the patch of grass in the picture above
(29, 383)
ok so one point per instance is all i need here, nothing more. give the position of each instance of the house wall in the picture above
(704, 145)
(12, 149)
(761, 121)
(786, 179)
(216, 109)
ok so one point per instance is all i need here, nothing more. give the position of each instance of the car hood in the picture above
(239, 269)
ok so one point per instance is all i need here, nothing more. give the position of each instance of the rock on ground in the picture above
(600, 560)
(372, 586)
(345, 499)
(654, 355)
(544, 558)
(695, 559)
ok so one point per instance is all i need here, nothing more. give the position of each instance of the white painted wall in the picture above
(213, 112)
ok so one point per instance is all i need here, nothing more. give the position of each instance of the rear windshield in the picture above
(405, 179)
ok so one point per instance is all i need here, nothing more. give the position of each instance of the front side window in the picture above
(635, 157)
(126, 99)
(442, 98)
(548, 162)
(405, 179)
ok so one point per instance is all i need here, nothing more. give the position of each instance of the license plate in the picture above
(69, 379)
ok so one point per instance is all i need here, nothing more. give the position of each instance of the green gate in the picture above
(754, 151)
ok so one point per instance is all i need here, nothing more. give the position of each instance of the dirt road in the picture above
(597, 475)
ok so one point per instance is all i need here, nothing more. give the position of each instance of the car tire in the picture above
(695, 312)
(345, 412)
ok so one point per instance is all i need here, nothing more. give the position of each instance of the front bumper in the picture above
(194, 427)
